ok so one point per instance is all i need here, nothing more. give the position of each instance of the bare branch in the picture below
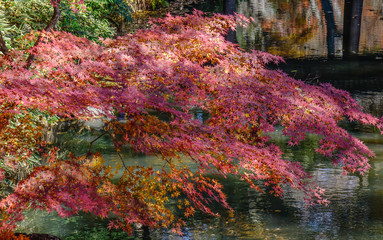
(52, 23)
(122, 160)
(119, 155)
(55, 17)
(91, 143)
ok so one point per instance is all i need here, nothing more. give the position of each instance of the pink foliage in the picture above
(180, 64)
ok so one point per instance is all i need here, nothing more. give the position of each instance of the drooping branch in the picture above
(52, 23)
(3, 47)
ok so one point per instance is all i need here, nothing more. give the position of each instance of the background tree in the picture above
(331, 28)
(102, 18)
(351, 27)
(158, 78)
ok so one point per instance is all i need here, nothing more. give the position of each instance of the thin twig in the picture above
(91, 143)
(122, 160)
(119, 155)
(166, 161)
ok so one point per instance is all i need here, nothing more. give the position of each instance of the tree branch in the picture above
(119, 155)
(91, 143)
(52, 23)
(122, 160)
(55, 17)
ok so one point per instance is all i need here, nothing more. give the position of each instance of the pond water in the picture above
(306, 28)
(299, 31)
(356, 202)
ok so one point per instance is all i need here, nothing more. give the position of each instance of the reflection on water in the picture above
(306, 28)
(356, 207)
(290, 29)
(355, 211)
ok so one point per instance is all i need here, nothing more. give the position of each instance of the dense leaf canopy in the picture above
(159, 78)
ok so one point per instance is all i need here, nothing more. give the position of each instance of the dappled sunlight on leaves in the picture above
(157, 78)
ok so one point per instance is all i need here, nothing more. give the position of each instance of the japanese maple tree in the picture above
(158, 78)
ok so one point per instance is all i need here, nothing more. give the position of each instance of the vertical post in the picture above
(229, 7)
(351, 27)
(331, 27)
(146, 233)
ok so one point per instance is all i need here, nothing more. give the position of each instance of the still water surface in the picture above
(303, 28)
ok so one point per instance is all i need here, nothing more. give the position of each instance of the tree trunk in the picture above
(141, 5)
(330, 26)
(229, 7)
(351, 27)
(51, 25)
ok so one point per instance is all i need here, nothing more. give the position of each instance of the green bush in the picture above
(100, 19)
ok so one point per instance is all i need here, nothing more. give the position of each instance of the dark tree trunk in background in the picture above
(229, 7)
(330, 26)
(146, 233)
(141, 5)
(351, 27)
